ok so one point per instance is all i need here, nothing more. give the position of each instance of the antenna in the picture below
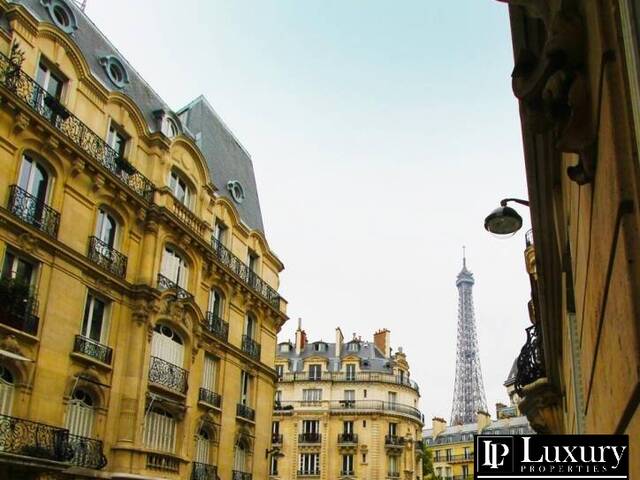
(464, 256)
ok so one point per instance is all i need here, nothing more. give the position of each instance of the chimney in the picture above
(382, 340)
(438, 425)
(484, 420)
(339, 340)
(301, 338)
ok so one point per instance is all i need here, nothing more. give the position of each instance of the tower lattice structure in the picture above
(468, 391)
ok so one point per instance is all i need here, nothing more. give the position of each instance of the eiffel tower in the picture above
(468, 390)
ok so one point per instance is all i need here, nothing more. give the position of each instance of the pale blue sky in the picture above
(381, 133)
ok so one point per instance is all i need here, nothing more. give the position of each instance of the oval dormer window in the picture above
(115, 71)
(236, 190)
(61, 15)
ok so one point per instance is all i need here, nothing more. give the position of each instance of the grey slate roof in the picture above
(226, 158)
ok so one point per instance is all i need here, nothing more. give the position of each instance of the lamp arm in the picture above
(503, 202)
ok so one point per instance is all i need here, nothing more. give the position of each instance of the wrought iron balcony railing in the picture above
(203, 471)
(168, 375)
(237, 475)
(18, 306)
(354, 406)
(393, 440)
(32, 210)
(216, 326)
(276, 439)
(71, 127)
(313, 472)
(530, 362)
(241, 269)
(347, 473)
(309, 437)
(210, 398)
(349, 377)
(91, 348)
(347, 438)
(107, 257)
(166, 284)
(87, 452)
(251, 347)
(246, 412)
(32, 439)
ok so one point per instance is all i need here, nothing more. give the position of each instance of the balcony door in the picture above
(34, 179)
(7, 391)
(203, 447)
(93, 322)
(209, 373)
(106, 230)
(18, 269)
(215, 303)
(80, 414)
(240, 458)
(167, 345)
(174, 267)
(311, 426)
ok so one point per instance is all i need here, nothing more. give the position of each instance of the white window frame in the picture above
(90, 303)
(210, 373)
(160, 429)
(175, 181)
(174, 267)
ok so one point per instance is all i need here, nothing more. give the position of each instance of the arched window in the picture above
(204, 439)
(106, 228)
(160, 430)
(34, 179)
(250, 326)
(216, 303)
(7, 389)
(80, 414)
(167, 345)
(180, 189)
(174, 267)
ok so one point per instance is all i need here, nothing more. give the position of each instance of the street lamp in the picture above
(504, 220)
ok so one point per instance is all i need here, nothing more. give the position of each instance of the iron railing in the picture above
(309, 437)
(209, 397)
(347, 473)
(354, 406)
(314, 472)
(246, 412)
(347, 438)
(241, 269)
(204, 471)
(32, 210)
(32, 439)
(93, 349)
(250, 347)
(105, 256)
(18, 306)
(87, 452)
(168, 375)
(349, 377)
(276, 439)
(166, 284)
(216, 326)
(49, 108)
(237, 475)
(393, 440)
(530, 362)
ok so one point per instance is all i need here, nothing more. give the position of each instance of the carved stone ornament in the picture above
(542, 406)
(21, 122)
(77, 166)
(27, 242)
(10, 344)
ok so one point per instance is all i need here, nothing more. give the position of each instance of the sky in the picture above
(382, 133)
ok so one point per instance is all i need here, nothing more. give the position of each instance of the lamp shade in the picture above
(503, 221)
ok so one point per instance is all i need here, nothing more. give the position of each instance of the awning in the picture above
(14, 356)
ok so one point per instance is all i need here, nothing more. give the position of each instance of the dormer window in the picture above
(115, 71)
(169, 127)
(285, 347)
(353, 347)
(61, 15)
(179, 188)
(320, 347)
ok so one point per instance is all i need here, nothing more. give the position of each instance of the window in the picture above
(106, 228)
(203, 446)
(235, 189)
(169, 127)
(34, 179)
(353, 347)
(347, 427)
(465, 471)
(94, 320)
(249, 326)
(285, 347)
(174, 267)
(439, 471)
(115, 70)
(245, 384)
(209, 373)
(160, 430)
(309, 464)
(448, 454)
(220, 232)
(320, 347)
(279, 371)
(467, 452)
(7, 388)
(278, 397)
(315, 372)
(364, 424)
(167, 345)
(393, 465)
(351, 372)
(273, 465)
(52, 82)
(61, 15)
(275, 428)
(18, 269)
(216, 303)
(349, 398)
(393, 429)
(393, 399)
(179, 189)
(312, 395)
(347, 464)
(364, 393)
(402, 377)
(252, 260)
(310, 426)
(117, 140)
(240, 457)
(364, 458)
(437, 456)
(80, 414)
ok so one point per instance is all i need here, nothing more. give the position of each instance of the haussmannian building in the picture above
(345, 410)
(138, 294)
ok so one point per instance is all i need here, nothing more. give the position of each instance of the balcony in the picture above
(276, 439)
(393, 441)
(57, 116)
(365, 377)
(460, 458)
(236, 475)
(166, 284)
(250, 278)
(32, 439)
(107, 258)
(187, 217)
(210, 398)
(309, 473)
(245, 412)
(347, 473)
(376, 405)
(393, 475)
(310, 438)
(251, 347)
(87, 452)
(216, 326)
(168, 375)
(203, 471)
(93, 349)
(530, 362)
(347, 438)
(167, 463)
(18, 306)
(33, 211)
